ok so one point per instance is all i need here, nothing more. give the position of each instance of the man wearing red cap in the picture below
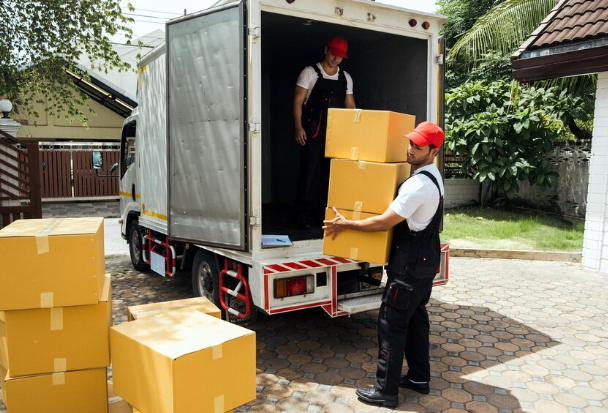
(318, 88)
(403, 322)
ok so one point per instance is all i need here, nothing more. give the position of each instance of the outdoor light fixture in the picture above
(5, 107)
(426, 25)
(413, 22)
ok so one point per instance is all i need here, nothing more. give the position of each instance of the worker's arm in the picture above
(298, 101)
(377, 223)
(349, 102)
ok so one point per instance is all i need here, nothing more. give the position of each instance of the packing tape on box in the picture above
(361, 165)
(105, 292)
(218, 352)
(57, 318)
(357, 116)
(354, 252)
(356, 215)
(354, 153)
(358, 207)
(47, 300)
(218, 404)
(58, 379)
(42, 238)
(59, 365)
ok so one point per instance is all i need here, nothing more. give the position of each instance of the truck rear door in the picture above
(207, 128)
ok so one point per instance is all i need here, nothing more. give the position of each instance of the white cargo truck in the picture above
(209, 162)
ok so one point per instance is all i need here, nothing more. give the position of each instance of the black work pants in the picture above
(405, 332)
(313, 181)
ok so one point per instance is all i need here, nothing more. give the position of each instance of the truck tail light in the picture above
(289, 287)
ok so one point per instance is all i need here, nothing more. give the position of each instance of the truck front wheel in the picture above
(135, 246)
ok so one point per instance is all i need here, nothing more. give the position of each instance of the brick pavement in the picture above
(507, 336)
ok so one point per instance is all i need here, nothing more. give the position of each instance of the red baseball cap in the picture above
(427, 133)
(338, 46)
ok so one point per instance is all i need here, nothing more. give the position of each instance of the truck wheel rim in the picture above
(135, 245)
(205, 281)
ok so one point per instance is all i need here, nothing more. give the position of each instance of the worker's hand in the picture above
(333, 226)
(301, 136)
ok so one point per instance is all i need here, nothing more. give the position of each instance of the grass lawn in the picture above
(511, 229)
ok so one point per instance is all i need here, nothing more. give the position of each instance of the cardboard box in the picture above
(183, 361)
(372, 247)
(51, 263)
(365, 186)
(73, 391)
(50, 340)
(201, 304)
(368, 135)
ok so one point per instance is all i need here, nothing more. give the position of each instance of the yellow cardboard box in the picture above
(49, 340)
(365, 186)
(72, 391)
(201, 304)
(183, 361)
(372, 247)
(51, 263)
(368, 135)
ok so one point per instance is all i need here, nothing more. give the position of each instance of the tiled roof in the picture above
(572, 21)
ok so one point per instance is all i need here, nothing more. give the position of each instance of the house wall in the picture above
(104, 125)
(595, 244)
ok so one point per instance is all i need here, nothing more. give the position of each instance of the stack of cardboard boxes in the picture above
(55, 314)
(370, 153)
(179, 356)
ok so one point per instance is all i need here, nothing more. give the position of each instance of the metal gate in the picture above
(19, 180)
(67, 171)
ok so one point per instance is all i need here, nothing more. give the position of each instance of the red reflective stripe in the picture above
(297, 307)
(267, 271)
(294, 265)
(342, 260)
(325, 261)
(266, 305)
(311, 264)
(278, 268)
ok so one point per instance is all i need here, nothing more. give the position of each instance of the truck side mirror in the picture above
(97, 160)
(114, 167)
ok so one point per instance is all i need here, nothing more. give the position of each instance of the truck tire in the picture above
(205, 283)
(205, 277)
(135, 249)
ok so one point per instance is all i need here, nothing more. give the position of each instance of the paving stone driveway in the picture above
(507, 336)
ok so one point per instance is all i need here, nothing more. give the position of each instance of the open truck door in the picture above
(207, 128)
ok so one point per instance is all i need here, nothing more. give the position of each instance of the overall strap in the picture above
(432, 178)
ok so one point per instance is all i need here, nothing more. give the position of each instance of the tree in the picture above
(502, 137)
(40, 40)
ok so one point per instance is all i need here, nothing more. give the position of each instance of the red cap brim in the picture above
(338, 52)
(418, 138)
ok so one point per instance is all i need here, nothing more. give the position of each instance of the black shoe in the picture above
(375, 396)
(422, 388)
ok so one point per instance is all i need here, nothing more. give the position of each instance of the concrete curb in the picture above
(517, 255)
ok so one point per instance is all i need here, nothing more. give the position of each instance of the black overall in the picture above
(403, 322)
(313, 178)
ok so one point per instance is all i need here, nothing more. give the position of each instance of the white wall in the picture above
(460, 192)
(595, 244)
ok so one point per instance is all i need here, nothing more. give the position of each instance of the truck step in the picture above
(360, 304)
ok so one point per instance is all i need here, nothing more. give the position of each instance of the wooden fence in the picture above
(19, 186)
(67, 171)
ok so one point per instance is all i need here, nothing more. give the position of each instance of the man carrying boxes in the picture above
(403, 322)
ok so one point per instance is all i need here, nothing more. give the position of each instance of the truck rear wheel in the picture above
(135, 246)
(205, 277)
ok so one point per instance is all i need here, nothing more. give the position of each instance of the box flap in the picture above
(176, 333)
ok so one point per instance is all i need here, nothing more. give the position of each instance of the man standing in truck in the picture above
(318, 88)
(403, 321)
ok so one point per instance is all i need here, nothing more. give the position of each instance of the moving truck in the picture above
(209, 162)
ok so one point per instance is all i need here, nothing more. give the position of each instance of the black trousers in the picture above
(404, 332)
(313, 181)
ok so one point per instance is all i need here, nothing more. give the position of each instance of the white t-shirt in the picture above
(418, 198)
(308, 77)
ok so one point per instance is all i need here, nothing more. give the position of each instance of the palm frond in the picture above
(503, 29)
